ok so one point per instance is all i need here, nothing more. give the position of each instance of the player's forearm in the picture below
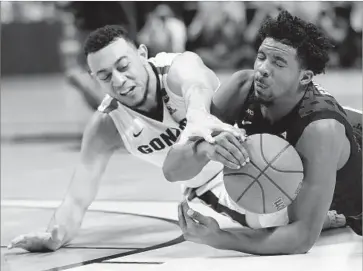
(184, 162)
(198, 97)
(69, 218)
(268, 241)
(80, 194)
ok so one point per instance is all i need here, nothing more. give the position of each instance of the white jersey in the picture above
(150, 139)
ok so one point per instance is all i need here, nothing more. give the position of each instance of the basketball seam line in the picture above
(278, 187)
(270, 163)
(269, 178)
(262, 172)
(256, 180)
(271, 166)
(263, 197)
(248, 187)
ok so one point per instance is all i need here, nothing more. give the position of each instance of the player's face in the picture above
(277, 71)
(120, 69)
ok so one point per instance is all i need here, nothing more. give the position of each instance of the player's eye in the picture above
(122, 68)
(261, 56)
(122, 65)
(106, 78)
(280, 64)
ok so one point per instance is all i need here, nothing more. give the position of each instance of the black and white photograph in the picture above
(181, 135)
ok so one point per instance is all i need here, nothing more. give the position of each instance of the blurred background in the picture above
(47, 37)
(43, 68)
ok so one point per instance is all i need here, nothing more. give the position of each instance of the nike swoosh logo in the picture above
(139, 133)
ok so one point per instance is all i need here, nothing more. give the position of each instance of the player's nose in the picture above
(264, 69)
(118, 79)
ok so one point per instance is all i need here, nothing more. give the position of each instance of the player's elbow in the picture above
(168, 171)
(168, 175)
(304, 243)
(303, 248)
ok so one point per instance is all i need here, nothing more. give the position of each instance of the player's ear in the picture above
(142, 50)
(306, 76)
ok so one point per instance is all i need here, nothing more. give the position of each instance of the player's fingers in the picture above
(16, 241)
(246, 155)
(198, 217)
(226, 158)
(243, 154)
(55, 233)
(238, 151)
(20, 243)
(192, 225)
(228, 142)
(182, 223)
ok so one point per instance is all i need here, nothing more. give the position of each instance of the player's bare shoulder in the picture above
(101, 132)
(232, 94)
(322, 137)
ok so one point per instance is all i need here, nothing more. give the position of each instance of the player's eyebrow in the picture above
(116, 62)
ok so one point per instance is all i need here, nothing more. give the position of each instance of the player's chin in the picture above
(136, 102)
(264, 100)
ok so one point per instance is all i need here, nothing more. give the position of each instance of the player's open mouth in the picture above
(127, 91)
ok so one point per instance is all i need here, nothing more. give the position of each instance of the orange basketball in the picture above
(271, 181)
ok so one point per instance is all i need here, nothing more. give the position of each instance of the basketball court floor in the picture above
(132, 225)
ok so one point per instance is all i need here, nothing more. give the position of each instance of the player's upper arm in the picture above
(188, 70)
(100, 138)
(320, 147)
(231, 95)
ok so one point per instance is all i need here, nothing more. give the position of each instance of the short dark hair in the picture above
(103, 36)
(310, 43)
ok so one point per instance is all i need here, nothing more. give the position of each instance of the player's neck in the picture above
(283, 105)
(151, 102)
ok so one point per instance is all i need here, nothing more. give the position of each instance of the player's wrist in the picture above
(220, 240)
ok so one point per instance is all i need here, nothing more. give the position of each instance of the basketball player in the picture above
(147, 107)
(279, 97)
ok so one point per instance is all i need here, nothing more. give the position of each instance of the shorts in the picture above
(214, 195)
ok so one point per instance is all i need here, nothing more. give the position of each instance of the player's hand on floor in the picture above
(201, 124)
(226, 149)
(38, 241)
(197, 227)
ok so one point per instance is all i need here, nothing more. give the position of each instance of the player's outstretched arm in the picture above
(100, 139)
(189, 78)
(321, 147)
(185, 160)
(188, 157)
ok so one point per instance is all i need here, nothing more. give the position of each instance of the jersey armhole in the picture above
(305, 121)
(98, 130)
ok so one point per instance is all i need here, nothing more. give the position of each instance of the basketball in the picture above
(272, 179)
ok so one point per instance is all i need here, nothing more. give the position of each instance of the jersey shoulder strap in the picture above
(108, 104)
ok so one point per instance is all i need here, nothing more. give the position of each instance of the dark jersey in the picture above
(316, 104)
